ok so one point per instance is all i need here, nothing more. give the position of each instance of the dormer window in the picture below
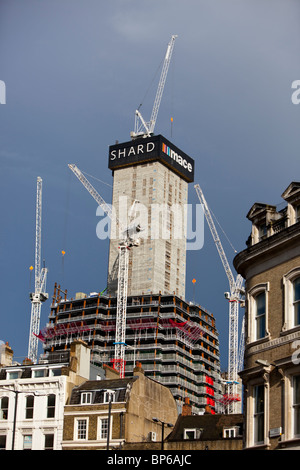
(262, 232)
(192, 433)
(229, 433)
(109, 396)
(86, 398)
(297, 213)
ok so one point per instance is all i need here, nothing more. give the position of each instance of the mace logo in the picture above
(2, 92)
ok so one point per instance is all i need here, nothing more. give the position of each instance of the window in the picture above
(2, 442)
(296, 404)
(29, 407)
(258, 312)
(86, 398)
(262, 231)
(13, 375)
(291, 284)
(49, 441)
(27, 442)
(81, 428)
(296, 301)
(51, 406)
(258, 414)
(55, 372)
(297, 213)
(191, 434)
(103, 428)
(260, 315)
(39, 373)
(230, 432)
(108, 394)
(3, 407)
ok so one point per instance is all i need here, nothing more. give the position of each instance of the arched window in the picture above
(296, 301)
(291, 284)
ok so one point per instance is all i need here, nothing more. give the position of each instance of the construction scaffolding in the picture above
(176, 341)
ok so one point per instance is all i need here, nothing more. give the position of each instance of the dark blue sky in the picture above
(76, 70)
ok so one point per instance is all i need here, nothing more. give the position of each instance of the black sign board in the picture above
(155, 148)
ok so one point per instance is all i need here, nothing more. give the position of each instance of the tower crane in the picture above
(39, 295)
(234, 297)
(141, 127)
(128, 240)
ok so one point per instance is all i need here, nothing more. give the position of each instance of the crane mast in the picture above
(234, 297)
(141, 127)
(127, 241)
(38, 296)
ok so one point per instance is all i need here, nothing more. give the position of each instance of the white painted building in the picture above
(33, 396)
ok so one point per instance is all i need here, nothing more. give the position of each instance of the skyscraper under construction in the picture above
(175, 340)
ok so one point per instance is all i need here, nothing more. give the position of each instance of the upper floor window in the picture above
(109, 396)
(297, 213)
(86, 398)
(81, 428)
(192, 433)
(29, 407)
(14, 374)
(260, 315)
(296, 302)
(51, 406)
(39, 373)
(103, 428)
(258, 312)
(262, 232)
(291, 283)
(230, 432)
(3, 407)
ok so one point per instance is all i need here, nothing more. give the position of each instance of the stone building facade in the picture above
(106, 414)
(271, 376)
(33, 396)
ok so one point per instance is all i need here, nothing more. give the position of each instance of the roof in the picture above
(212, 425)
(98, 388)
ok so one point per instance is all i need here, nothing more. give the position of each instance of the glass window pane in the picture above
(297, 289)
(260, 303)
(259, 414)
(3, 407)
(49, 440)
(29, 407)
(81, 429)
(296, 403)
(260, 300)
(27, 442)
(296, 285)
(51, 406)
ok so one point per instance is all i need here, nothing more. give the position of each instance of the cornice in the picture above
(265, 249)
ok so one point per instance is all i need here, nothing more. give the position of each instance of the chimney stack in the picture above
(186, 407)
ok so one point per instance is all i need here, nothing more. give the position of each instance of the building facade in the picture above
(33, 396)
(271, 375)
(106, 414)
(155, 173)
(176, 342)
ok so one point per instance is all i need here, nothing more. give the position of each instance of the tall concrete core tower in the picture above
(155, 173)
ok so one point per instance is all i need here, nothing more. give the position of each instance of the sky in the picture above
(74, 73)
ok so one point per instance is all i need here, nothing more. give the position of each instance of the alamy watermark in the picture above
(296, 94)
(296, 354)
(2, 92)
(153, 222)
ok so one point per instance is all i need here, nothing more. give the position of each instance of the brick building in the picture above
(271, 376)
(106, 414)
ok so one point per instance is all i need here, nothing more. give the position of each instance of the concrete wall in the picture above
(148, 399)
